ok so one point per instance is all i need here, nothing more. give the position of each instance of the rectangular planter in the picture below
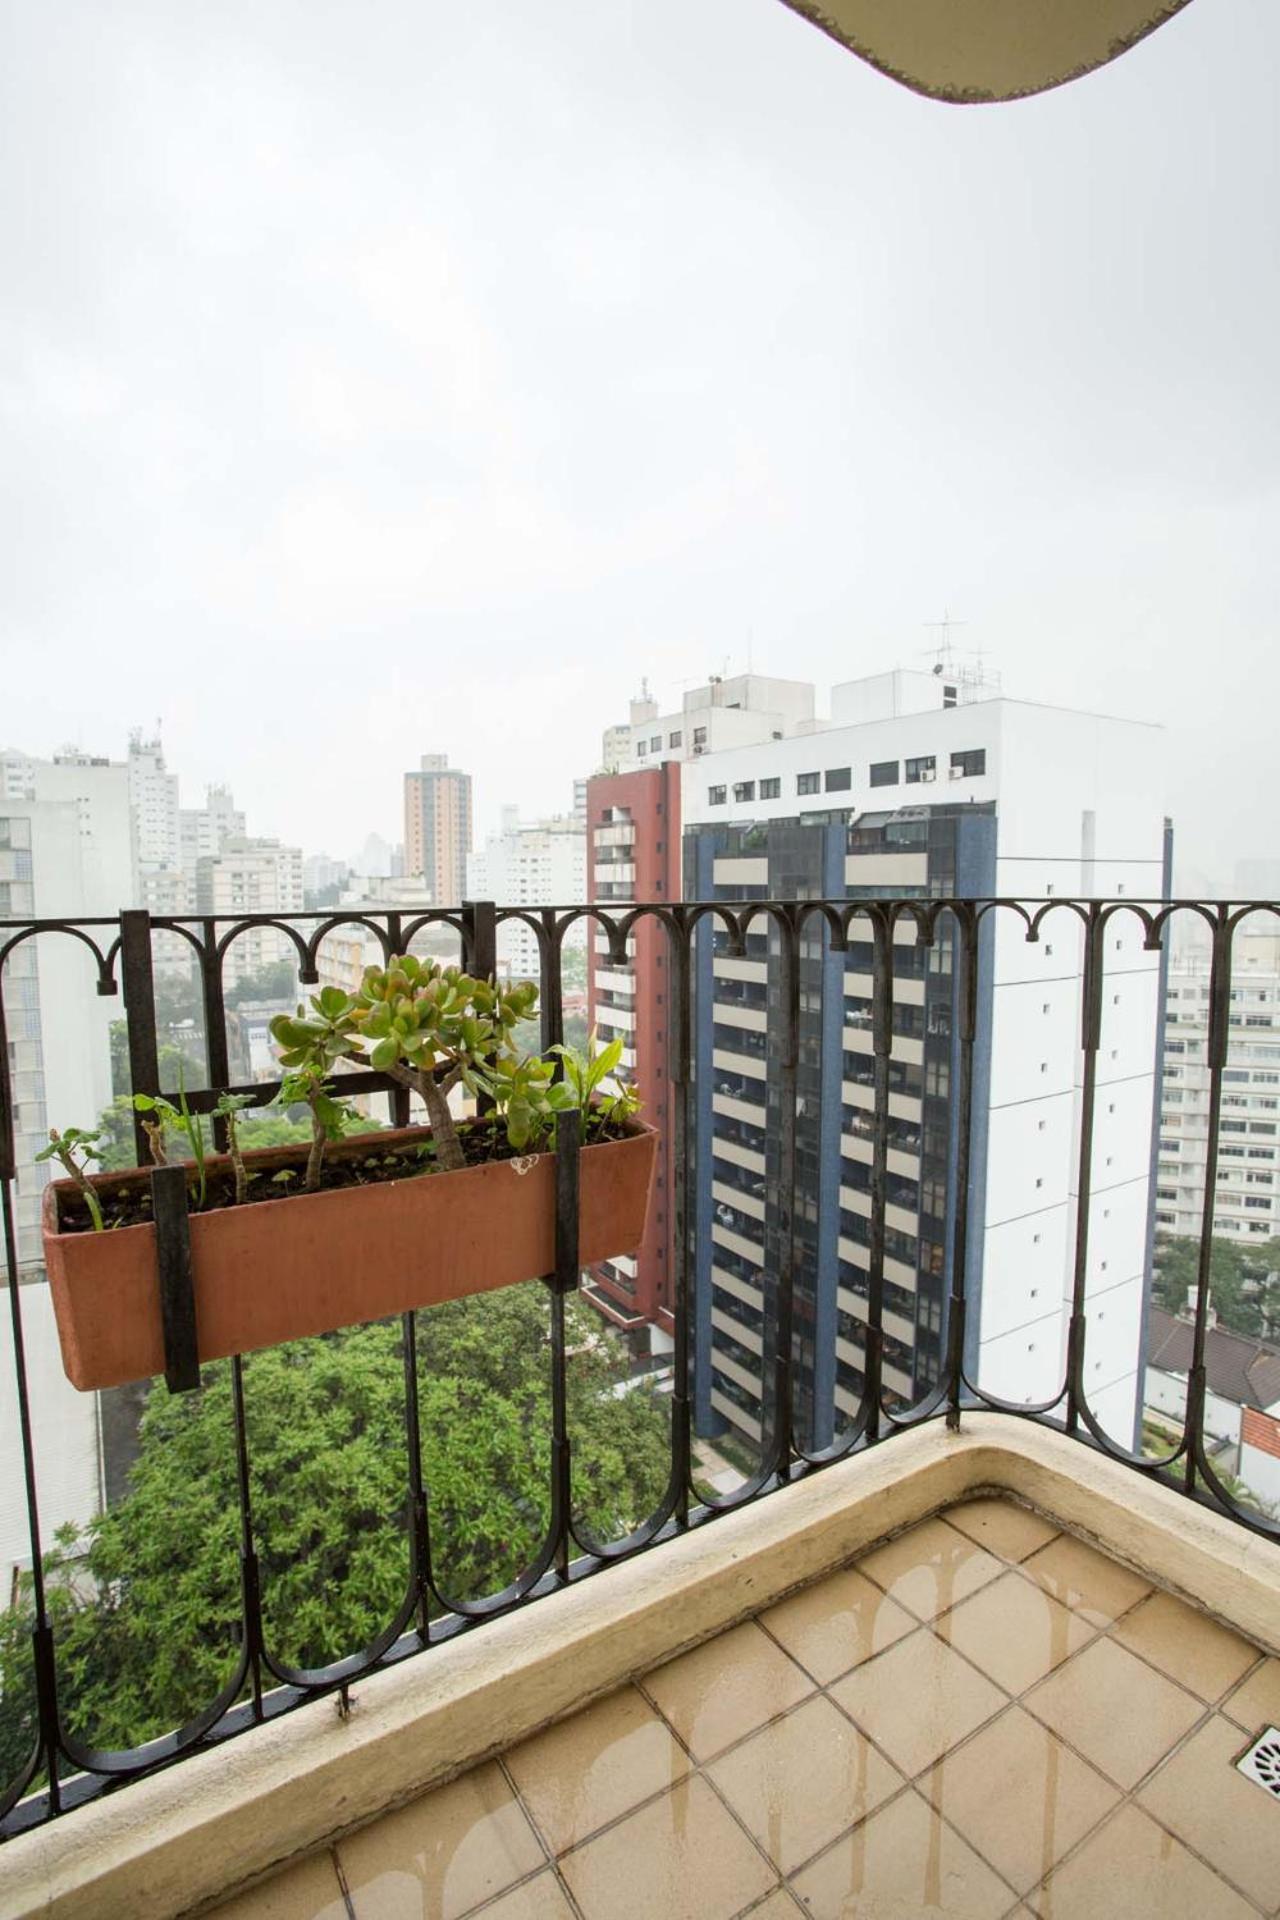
(277, 1270)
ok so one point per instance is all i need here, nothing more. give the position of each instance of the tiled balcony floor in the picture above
(984, 1717)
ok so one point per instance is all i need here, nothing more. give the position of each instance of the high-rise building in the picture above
(1246, 1203)
(251, 876)
(633, 823)
(541, 864)
(66, 852)
(438, 827)
(907, 794)
(204, 831)
(153, 797)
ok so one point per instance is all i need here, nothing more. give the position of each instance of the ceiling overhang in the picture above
(981, 50)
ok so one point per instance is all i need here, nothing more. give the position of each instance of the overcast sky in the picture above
(397, 378)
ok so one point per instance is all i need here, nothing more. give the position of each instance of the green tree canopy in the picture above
(147, 1603)
(1243, 1283)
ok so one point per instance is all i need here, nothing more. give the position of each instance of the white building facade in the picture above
(1246, 1204)
(538, 865)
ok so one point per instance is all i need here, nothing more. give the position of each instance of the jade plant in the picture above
(229, 1108)
(531, 1094)
(310, 1048)
(431, 1028)
(157, 1113)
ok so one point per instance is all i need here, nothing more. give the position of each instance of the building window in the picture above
(964, 766)
(675, 739)
(884, 773)
(950, 696)
(699, 736)
(655, 745)
(839, 779)
(716, 796)
(641, 749)
(922, 768)
(808, 782)
(770, 789)
(744, 789)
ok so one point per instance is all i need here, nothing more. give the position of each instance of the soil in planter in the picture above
(129, 1205)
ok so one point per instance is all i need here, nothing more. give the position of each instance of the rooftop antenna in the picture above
(944, 652)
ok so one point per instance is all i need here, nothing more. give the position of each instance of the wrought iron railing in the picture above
(795, 1438)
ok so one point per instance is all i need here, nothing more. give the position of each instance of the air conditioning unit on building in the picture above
(957, 773)
(928, 774)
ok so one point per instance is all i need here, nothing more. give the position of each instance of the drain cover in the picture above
(1262, 1762)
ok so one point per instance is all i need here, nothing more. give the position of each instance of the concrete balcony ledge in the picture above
(191, 1836)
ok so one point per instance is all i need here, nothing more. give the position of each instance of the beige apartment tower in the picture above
(437, 827)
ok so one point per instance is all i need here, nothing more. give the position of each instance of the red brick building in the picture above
(633, 853)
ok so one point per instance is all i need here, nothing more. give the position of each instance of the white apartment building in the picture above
(542, 864)
(915, 789)
(63, 855)
(251, 876)
(1246, 1202)
(724, 713)
(153, 796)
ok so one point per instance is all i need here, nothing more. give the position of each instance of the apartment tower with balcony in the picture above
(917, 791)
(633, 833)
(1246, 1201)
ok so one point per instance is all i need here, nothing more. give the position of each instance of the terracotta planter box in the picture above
(277, 1270)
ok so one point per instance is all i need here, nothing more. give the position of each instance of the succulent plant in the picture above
(431, 1028)
(310, 1047)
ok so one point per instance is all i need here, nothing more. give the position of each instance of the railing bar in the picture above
(1090, 1039)
(965, 950)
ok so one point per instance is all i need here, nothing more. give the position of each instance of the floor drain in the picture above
(1261, 1763)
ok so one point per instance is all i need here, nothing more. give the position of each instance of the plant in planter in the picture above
(431, 1028)
(73, 1150)
(383, 1222)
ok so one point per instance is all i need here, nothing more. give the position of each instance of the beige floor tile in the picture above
(918, 1700)
(541, 1898)
(837, 1623)
(682, 1858)
(1085, 1581)
(727, 1688)
(780, 1905)
(1019, 1796)
(1002, 1527)
(903, 1863)
(801, 1781)
(1114, 1710)
(1232, 1822)
(1256, 1701)
(578, 1776)
(1014, 1631)
(309, 1891)
(1190, 1648)
(442, 1854)
(930, 1568)
(1132, 1870)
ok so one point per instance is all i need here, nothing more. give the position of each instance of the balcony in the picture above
(876, 1644)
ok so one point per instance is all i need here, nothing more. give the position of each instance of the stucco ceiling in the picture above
(975, 50)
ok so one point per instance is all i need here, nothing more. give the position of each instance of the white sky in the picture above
(388, 379)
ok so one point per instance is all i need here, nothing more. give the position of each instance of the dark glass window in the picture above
(923, 768)
(884, 773)
(967, 765)
(770, 789)
(808, 782)
(716, 796)
(839, 779)
(744, 789)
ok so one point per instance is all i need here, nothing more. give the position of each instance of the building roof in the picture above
(1239, 1369)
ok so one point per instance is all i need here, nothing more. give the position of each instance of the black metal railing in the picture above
(796, 1432)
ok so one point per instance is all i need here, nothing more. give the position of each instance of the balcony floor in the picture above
(983, 1717)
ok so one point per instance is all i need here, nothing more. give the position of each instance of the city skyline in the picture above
(1021, 370)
